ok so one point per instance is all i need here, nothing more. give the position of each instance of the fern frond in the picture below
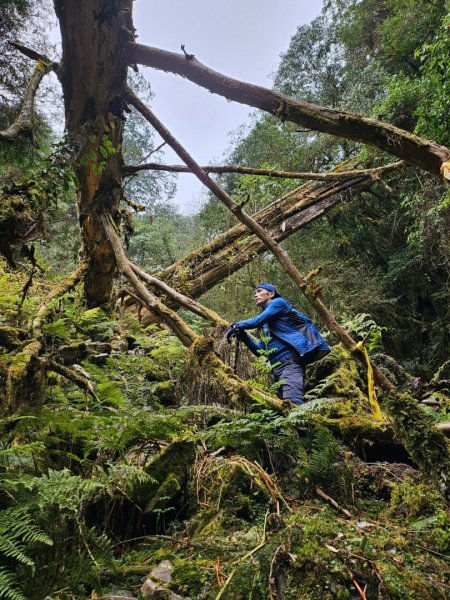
(7, 583)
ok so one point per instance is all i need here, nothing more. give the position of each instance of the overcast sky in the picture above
(240, 38)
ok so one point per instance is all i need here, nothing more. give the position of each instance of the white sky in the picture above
(240, 38)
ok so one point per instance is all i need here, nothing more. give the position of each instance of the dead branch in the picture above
(275, 575)
(59, 290)
(415, 150)
(183, 332)
(83, 383)
(283, 258)
(181, 299)
(203, 268)
(23, 125)
(29, 353)
(374, 173)
(333, 502)
(30, 52)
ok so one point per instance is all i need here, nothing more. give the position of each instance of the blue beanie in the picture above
(269, 287)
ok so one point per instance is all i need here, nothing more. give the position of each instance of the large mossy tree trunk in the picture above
(94, 72)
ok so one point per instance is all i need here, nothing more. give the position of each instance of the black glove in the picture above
(234, 331)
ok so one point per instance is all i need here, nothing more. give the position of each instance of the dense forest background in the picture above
(121, 456)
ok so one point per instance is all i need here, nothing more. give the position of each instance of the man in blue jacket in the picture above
(288, 338)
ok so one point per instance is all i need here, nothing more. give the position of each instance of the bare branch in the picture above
(415, 150)
(70, 374)
(23, 125)
(181, 299)
(183, 332)
(374, 173)
(30, 52)
(201, 348)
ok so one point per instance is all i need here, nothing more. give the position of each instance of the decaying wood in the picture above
(25, 204)
(23, 125)
(183, 332)
(374, 173)
(414, 150)
(305, 284)
(182, 300)
(93, 72)
(51, 365)
(58, 290)
(26, 361)
(203, 268)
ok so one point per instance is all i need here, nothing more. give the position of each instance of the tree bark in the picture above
(94, 71)
(415, 150)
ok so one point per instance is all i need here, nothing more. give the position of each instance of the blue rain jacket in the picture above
(288, 328)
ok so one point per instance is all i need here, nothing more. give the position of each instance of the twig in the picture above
(322, 494)
(262, 543)
(273, 592)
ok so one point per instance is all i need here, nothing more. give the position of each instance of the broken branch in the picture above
(23, 125)
(283, 258)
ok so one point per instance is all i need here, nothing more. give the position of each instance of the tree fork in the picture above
(307, 287)
(414, 150)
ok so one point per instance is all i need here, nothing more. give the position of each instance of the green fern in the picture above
(18, 535)
(324, 449)
(7, 583)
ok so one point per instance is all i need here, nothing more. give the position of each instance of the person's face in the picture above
(262, 296)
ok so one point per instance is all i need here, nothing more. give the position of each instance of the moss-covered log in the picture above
(425, 443)
(415, 150)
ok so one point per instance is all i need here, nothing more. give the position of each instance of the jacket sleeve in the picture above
(277, 307)
(253, 345)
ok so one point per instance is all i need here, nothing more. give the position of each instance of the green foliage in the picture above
(363, 326)
(18, 538)
(434, 106)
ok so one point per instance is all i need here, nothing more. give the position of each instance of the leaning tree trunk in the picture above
(94, 72)
(202, 269)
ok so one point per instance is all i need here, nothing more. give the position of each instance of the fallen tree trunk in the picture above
(204, 268)
(415, 150)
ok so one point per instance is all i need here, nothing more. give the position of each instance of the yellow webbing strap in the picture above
(376, 410)
(445, 170)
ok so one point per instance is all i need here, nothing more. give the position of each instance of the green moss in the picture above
(427, 445)
(190, 576)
